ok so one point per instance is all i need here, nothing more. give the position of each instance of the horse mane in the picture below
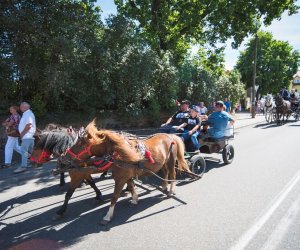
(114, 142)
(91, 131)
(56, 141)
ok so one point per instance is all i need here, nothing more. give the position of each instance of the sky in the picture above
(286, 29)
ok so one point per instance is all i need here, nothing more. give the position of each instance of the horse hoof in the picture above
(57, 217)
(132, 204)
(170, 194)
(165, 191)
(104, 222)
(99, 199)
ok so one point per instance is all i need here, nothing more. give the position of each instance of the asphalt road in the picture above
(253, 203)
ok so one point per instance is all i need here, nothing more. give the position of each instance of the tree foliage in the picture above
(198, 83)
(173, 24)
(59, 56)
(276, 63)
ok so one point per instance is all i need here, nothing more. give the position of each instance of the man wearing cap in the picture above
(218, 121)
(177, 119)
(191, 127)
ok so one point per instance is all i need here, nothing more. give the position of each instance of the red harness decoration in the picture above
(149, 156)
(78, 156)
(44, 157)
(102, 165)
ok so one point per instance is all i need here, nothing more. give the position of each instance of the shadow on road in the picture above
(33, 227)
(213, 163)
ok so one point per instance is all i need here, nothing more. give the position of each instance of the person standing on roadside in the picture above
(227, 104)
(12, 142)
(27, 128)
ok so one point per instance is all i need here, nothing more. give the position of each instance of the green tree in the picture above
(173, 25)
(276, 63)
(229, 86)
(47, 46)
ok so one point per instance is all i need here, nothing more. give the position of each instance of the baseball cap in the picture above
(220, 103)
(185, 102)
(196, 108)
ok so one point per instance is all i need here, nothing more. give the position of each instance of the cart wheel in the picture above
(228, 154)
(198, 165)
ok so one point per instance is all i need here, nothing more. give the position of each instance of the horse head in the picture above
(279, 100)
(52, 141)
(87, 145)
(94, 142)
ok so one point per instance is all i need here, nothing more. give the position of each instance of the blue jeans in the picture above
(185, 136)
(26, 148)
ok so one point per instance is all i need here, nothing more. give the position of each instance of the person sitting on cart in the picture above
(294, 100)
(285, 94)
(177, 119)
(191, 128)
(218, 121)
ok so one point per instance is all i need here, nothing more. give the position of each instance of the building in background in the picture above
(296, 81)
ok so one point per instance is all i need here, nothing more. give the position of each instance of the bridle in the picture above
(43, 155)
(78, 156)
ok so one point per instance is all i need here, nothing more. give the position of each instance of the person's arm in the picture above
(192, 131)
(231, 120)
(8, 122)
(167, 122)
(25, 130)
(170, 120)
(181, 126)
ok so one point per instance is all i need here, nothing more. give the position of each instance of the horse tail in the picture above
(182, 163)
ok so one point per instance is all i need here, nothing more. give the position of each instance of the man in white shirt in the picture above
(203, 109)
(27, 128)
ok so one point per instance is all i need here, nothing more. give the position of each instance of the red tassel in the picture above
(148, 156)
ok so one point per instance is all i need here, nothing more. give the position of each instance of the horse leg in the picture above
(165, 174)
(118, 188)
(91, 182)
(172, 173)
(132, 189)
(62, 179)
(75, 182)
(172, 186)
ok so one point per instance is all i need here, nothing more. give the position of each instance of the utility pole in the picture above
(253, 111)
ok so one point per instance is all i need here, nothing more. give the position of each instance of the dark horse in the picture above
(56, 142)
(283, 108)
(131, 158)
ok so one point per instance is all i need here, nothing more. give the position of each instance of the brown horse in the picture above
(131, 158)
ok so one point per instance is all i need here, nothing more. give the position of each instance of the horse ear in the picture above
(101, 136)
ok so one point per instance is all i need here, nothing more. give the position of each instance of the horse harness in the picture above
(104, 163)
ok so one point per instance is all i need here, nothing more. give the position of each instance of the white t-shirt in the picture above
(27, 117)
(203, 110)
